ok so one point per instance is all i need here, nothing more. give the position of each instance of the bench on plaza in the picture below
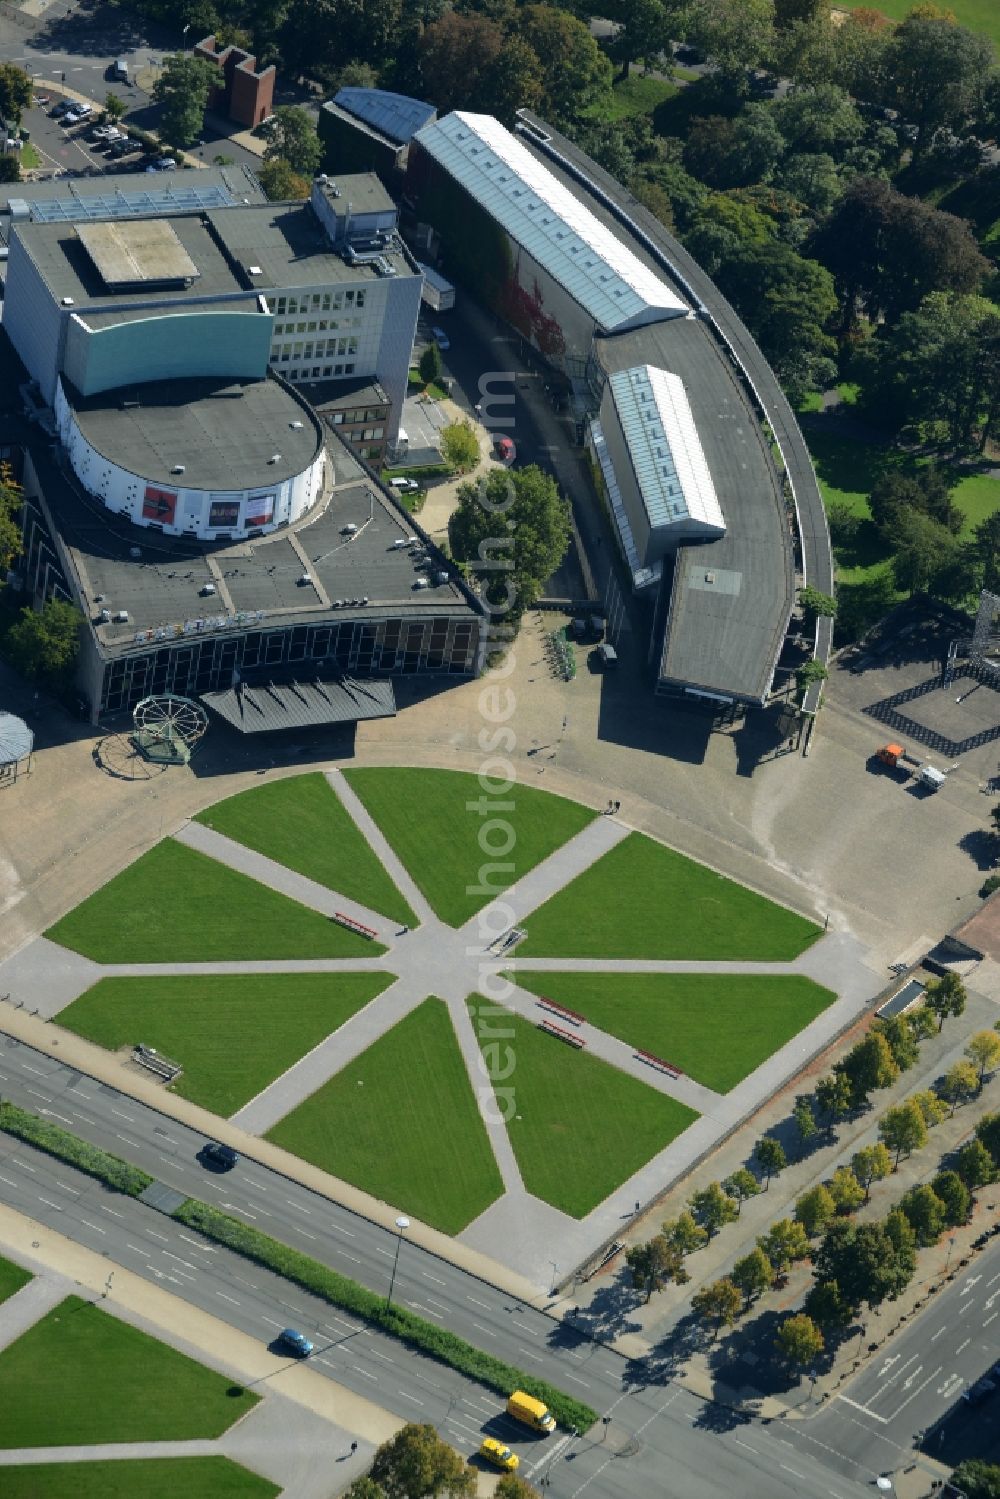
(560, 1010)
(561, 1035)
(155, 1062)
(658, 1062)
(355, 926)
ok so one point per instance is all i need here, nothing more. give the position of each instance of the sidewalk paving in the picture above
(26, 1306)
(380, 845)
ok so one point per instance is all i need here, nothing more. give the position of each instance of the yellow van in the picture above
(531, 1412)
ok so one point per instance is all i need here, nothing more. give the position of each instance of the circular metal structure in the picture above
(168, 727)
(16, 744)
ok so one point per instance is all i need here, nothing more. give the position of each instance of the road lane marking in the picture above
(484, 1304)
(291, 1204)
(991, 1319)
(528, 1354)
(302, 1233)
(914, 1393)
(938, 1333)
(573, 1377)
(480, 1328)
(740, 1443)
(130, 1117)
(104, 1209)
(93, 1226)
(341, 1230)
(407, 1396)
(154, 1235)
(133, 1143)
(882, 1420)
(224, 1297)
(49, 1204)
(794, 1472)
(8, 1181)
(16, 1160)
(205, 1248)
(67, 1188)
(428, 1276)
(960, 1347)
(35, 1094)
(168, 1255)
(365, 1373)
(386, 1252)
(353, 1257)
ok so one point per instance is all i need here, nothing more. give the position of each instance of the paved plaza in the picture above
(519, 1230)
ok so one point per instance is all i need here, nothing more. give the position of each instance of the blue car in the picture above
(296, 1341)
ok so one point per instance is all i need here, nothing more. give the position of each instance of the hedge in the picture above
(107, 1168)
(337, 1289)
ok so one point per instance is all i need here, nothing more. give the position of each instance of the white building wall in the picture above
(193, 512)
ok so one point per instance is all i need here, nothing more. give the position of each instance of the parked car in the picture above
(441, 338)
(404, 486)
(62, 108)
(296, 1341)
(41, 101)
(162, 164)
(76, 115)
(124, 146)
(220, 1155)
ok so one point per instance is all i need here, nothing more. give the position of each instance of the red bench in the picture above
(561, 1035)
(659, 1064)
(355, 926)
(561, 1010)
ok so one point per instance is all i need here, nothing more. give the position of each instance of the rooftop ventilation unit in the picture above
(67, 301)
(105, 616)
(206, 589)
(135, 553)
(255, 270)
(305, 580)
(121, 618)
(178, 468)
(296, 426)
(274, 458)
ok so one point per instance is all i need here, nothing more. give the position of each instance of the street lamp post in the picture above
(402, 1224)
(184, 37)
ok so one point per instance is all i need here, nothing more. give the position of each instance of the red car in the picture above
(505, 450)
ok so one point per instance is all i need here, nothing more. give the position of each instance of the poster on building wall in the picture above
(260, 509)
(224, 513)
(159, 505)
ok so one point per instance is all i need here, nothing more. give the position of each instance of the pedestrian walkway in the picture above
(390, 860)
(279, 877)
(26, 1306)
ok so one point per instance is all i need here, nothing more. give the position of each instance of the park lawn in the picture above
(302, 823)
(578, 1126)
(717, 1028)
(152, 1478)
(643, 900)
(425, 816)
(401, 1122)
(176, 905)
(977, 15)
(233, 1033)
(79, 1375)
(12, 1278)
(977, 496)
(634, 95)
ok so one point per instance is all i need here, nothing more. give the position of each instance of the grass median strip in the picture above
(122, 1478)
(98, 1163)
(12, 1278)
(338, 1290)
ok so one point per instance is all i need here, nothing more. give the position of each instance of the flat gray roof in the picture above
(104, 188)
(136, 252)
(302, 705)
(161, 586)
(68, 271)
(722, 636)
(290, 245)
(223, 431)
(362, 190)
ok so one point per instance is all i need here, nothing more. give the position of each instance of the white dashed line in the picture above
(222, 1295)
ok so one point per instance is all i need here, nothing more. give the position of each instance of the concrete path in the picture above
(44, 977)
(329, 1057)
(485, 1097)
(548, 877)
(279, 877)
(390, 860)
(26, 1306)
(102, 1451)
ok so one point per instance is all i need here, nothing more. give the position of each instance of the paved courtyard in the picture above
(521, 1231)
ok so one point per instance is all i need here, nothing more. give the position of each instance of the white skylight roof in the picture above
(666, 453)
(544, 216)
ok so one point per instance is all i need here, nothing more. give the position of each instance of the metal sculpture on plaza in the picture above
(16, 745)
(167, 728)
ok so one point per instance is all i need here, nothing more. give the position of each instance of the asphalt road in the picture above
(913, 1395)
(659, 1439)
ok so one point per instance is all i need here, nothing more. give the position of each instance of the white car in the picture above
(76, 114)
(441, 338)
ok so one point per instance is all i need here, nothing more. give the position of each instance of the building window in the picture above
(348, 369)
(307, 352)
(316, 299)
(352, 346)
(293, 374)
(297, 350)
(379, 432)
(293, 305)
(326, 301)
(338, 418)
(300, 327)
(338, 300)
(359, 300)
(348, 299)
(281, 304)
(368, 434)
(316, 372)
(327, 371)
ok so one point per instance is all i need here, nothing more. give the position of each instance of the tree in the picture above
(813, 179)
(734, 152)
(752, 1274)
(983, 1050)
(814, 1209)
(833, 1095)
(786, 301)
(819, 119)
(945, 996)
(924, 549)
(454, 53)
(903, 1129)
(926, 1213)
(871, 1163)
(512, 80)
(10, 530)
(365, 31)
(292, 137)
(430, 363)
(974, 1164)
(922, 1022)
(10, 168)
(952, 1191)
(281, 184)
(887, 252)
(977, 1479)
(114, 108)
(365, 1488)
(645, 29)
(931, 1106)
(15, 92)
(512, 1487)
(899, 1232)
(43, 645)
(846, 1191)
(788, 11)
(864, 1261)
(575, 73)
(417, 1463)
(685, 1233)
(936, 73)
(804, 1120)
(784, 1242)
(183, 88)
(736, 34)
(740, 1185)
(825, 1305)
(713, 1209)
(867, 1066)
(900, 1039)
(988, 1131)
(460, 448)
(815, 604)
(770, 1157)
(513, 528)
(799, 1340)
(655, 1265)
(720, 1302)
